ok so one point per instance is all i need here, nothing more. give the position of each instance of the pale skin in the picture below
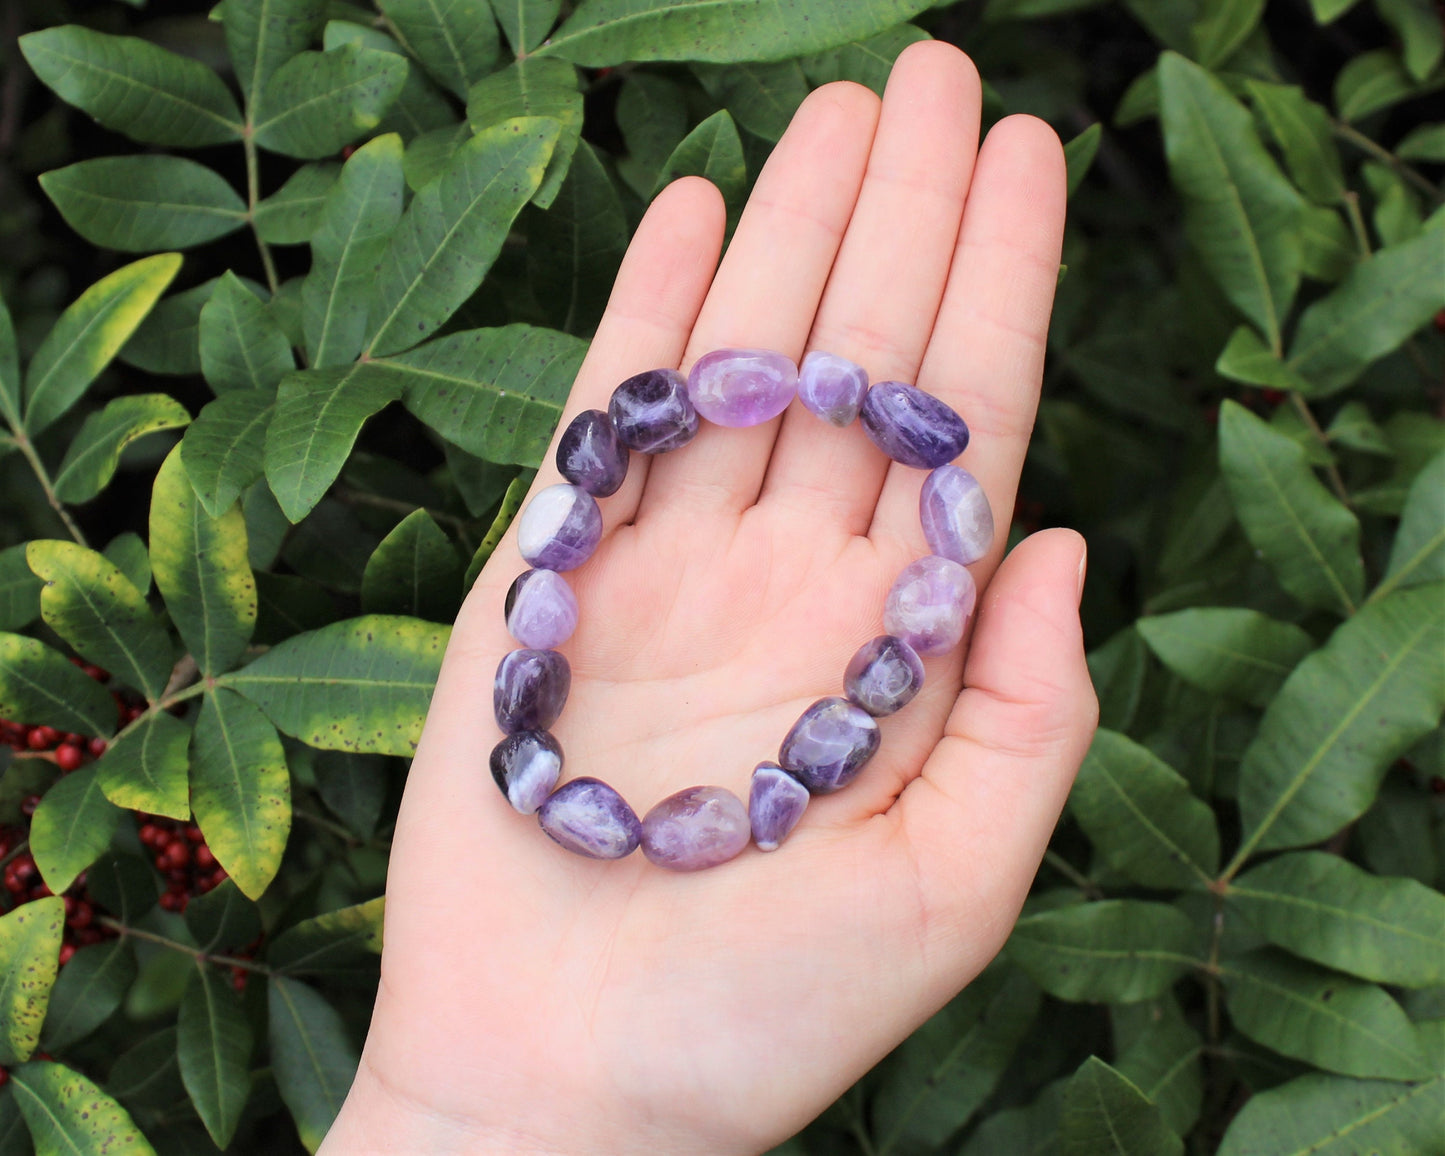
(535, 1001)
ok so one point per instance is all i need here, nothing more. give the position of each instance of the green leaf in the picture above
(1227, 651)
(1343, 716)
(1326, 909)
(1370, 82)
(867, 61)
(1418, 552)
(88, 334)
(942, 1074)
(1326, 11)
(1159, 1052)
(90, 988)
(334, 942)
(420, 106)
(1118, 670)
(1141, 817)
(263, 36)
(652, 116)
(168, 340)
(99, 611)
(147, 1074)
(70, 1116)
(201, 569)
(455, 40)
(1032, 1130)
(1329, 250)
(1105, 1113)
(1425, 143)
(1223, 25)
(1304, 133)
(1322, 1017)
(94, 455)
(129, 553)
(314, 1059)
(714, 151)
(240, 789)
(415, 571)
(10, 380)
(1353, 427)
(512, 499)
(147, 767)
(360, 215)
(1422, 40)
(241, 345)
(1112, 951)
(360, 685)
(760, 97)
(1308, 538)
(19, 590)
(533, 87)
(1380, 304)
(71, 827)
(223, 918)
(318, 102)
(429, 154)
(526, 22)
(39, 687)
(453, 231)
(133, 86)
(1079, 154)
(14, 1135)
(291, 214)
(1241, 215)
(1248, 359)
(213, 1045)
(29, 954)
(354, 787)
(606, 32)
(125, 885)
(224, 450)
(496, 393)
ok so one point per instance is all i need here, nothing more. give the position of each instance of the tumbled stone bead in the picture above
(651, 412)
(541, 610)
(591, 455)
(526, 766)
(929, 604)
(776, 801)
(530, 690)
(955, 513)
(742, 387)
(912, 427)
(695, 828)
(883, 676)
(829, 744)
(560, 528)
(831, 387)
(589, 818)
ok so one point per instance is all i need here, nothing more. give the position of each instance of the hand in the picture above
(532, 1000)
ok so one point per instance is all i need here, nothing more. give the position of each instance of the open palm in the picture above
(532, 1000)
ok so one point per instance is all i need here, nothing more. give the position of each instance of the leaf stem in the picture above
(1332, 472)
(253, 198)
(1072, 873)
(23, 444)
(1357, 223)
(175, 945)
(1216, 934)
(1385, 156)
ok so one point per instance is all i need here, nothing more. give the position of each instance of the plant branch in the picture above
(253, 198)
(1072, 873)
(175, 945)
(1332, 472)
(1357, 223)
(1349, 133)
(23, 444)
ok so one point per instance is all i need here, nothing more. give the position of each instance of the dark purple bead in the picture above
(652, 412)
(912, 427)
(829, 744)
(695, 828)
(884, 675)
(591, 455)
(530, 690)
(589, 818)
(560, 528)
(541, 610)
(526, 766)
(776, 801)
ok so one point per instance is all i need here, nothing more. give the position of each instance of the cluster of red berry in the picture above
(180, 853)
(23, 884)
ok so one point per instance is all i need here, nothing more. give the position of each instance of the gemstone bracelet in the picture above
(925, 612)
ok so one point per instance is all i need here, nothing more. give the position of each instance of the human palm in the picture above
(532, 1000)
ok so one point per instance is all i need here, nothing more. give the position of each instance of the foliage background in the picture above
(1237, 942)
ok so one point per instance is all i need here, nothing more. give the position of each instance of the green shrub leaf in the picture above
(147, 767)
(867, 61)
(1370, 82)
(1422, 40)
(415, 571)
(90, 988)
(39, 687)
(329, 943)
(533, 87)
(1418, 553)
(652, 116)
(314, 1059)
(1227, 651)
(1105, 1113)
(1304, 133)
(1159, 1052)
(317, 102)
(1425, 143)
(1223, 25)
(526, 22)
(354, 787)
(241, 345)
(71, 827)
(760, 97)
(29, 954)
(213, 1047)
(70, 1116)
(19, 590)
(223, 918)
(291, 214)
(1248, 359)
(129, 553)
(263, 37)
(94, 455)
(712, 150)
(168, 340)
(224, 451)
(10, 380)
(1032, 1130)
(455, 40)
(125, 885)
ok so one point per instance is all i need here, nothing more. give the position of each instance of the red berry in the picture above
(149, 834)
(179, 877)
(4, 1076)
(1440, 321)
(238, 979)
(74, 739)
(87, 936)
(205, 857)
(67, 951)
(68, 757)
(97, 746)
(42, 738)
(96, 672)
(40, 890)
(177, 855)
(171, 901)
(193, 833)
(84, 914)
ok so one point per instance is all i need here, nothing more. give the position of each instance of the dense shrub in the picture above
(224, 589)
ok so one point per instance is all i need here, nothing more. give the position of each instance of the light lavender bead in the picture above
(526, 767)
(832, 387)
(912, 427)
(589, 818)
(929, 604)
(541, 610)
(829, 744)
(651, 412)
(776, 801)
(742, 387)
(695, 828)
(883, 676)
(560, 528)
(955, 513)
(530, 690)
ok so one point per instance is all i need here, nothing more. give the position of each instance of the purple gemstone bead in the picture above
(651, 412)
(696, 828)
(956, 517)
(776, 801)
(912, 427)
(560, 528)
(530, 690)
(590, 818)
(526, 766)
(829, 744)
(929, 604)
(541, 610)
(832, 387)
(591, 455)
(884, 675)
(742, 387)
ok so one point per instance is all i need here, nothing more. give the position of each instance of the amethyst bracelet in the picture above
(925, 612)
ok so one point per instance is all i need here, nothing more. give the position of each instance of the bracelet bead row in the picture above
(924, 614)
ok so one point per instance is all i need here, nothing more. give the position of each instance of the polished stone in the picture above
(912, 427)
(832, 387)
(526, 766)
(541, 610)
(929, 605)
(954, 510)
(883, 676)
(530, 690)
(560, 528)
(695, 828)
(591, 455)
(589, 818)
(829, 744)
(742, 387)
(776, 801)
(651, 412)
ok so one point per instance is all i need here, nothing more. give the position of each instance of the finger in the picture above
(767, 289)
(979, 816)
(886, 285)
(986, 355)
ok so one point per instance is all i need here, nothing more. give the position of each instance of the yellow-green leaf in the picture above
(69, 1116)
(93, 456)
(29, 957)
(147, 768)
(335, 941)
(38, 686)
